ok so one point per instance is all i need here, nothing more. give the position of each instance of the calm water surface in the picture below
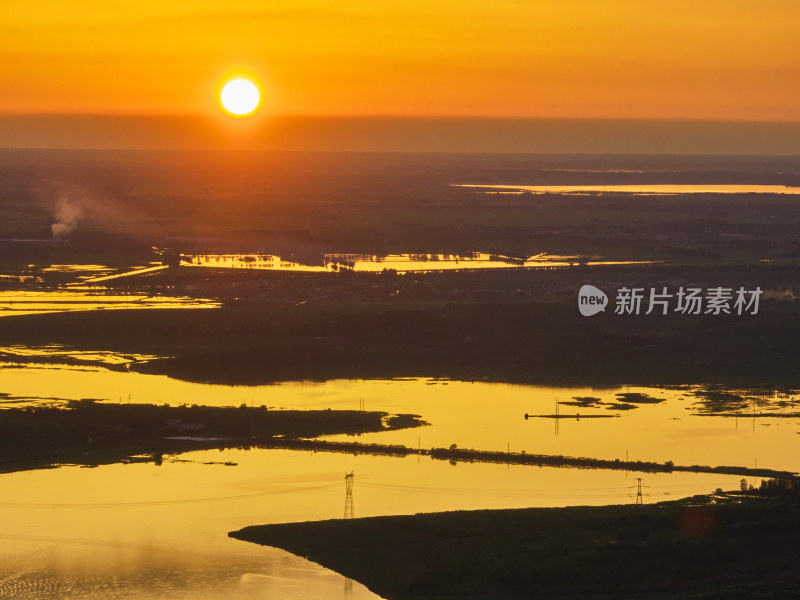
(147, 531)
(486, 416)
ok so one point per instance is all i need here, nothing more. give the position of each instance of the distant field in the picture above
(113, 208)
(300, 203)
(533, 337)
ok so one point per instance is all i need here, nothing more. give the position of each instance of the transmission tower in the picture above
(557, 419)
(639, 498)
(349, 513)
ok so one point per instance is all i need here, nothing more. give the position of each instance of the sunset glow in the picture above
(716, 60)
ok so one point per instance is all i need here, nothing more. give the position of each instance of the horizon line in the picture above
(395, 117)
(468, 152)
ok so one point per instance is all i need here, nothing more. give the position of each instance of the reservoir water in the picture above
(143, 530)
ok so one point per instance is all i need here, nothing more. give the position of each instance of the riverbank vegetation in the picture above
(701, 547)
(91, 433)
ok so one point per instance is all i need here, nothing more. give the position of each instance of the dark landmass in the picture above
(639, 398)
(529, 341)
(583, 401)
(684, 549)
(746, 415)
(91, 433)
(512, 324)
(620, 406)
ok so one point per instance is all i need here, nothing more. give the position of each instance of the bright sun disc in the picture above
(240, 97)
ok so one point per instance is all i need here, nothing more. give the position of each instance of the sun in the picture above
(240, 97)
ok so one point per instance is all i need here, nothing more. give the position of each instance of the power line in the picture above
(518, 490)
(165, 502)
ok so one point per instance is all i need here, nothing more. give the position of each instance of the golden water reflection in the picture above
(485, 416)
(402, 263)
(644, 189)
(29, 302)
(141, 530)
(57, 351)
(146, 531)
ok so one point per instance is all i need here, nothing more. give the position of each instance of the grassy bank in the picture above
(681, 549)
(90, 433)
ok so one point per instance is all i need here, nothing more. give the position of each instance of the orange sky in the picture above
(695, 59)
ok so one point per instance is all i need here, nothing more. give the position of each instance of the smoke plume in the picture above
(68, 211)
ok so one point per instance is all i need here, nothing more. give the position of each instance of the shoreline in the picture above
(455, 455)
(691, 548)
